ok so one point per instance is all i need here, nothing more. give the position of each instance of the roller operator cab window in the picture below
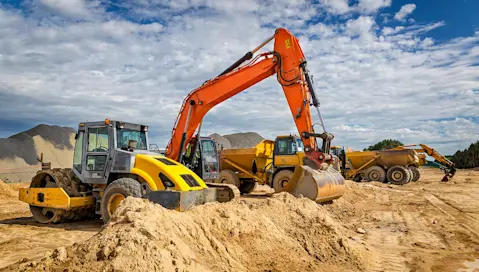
(98, 139)
(123, 136)
(78, 153)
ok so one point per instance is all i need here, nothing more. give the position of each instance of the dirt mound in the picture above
(222, 141)
(238, 140)
(244, 140)
(6, 191)
(282, 234)
(22, 145)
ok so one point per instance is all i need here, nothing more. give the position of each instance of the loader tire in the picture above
(229, 177)
(281, 179)
(398, 175)
(415, 173)
(247, 187)
(115, 192)
(375, 173)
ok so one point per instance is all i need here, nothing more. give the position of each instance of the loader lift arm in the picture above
(447, 165)
(288, 62)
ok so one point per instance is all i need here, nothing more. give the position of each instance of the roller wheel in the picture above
(229, 177)
(375, 173)
(415, 173)
(398, 175)
(247, 187)
(115, 193)
(281, 179)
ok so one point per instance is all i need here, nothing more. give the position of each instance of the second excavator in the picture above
(313, 177)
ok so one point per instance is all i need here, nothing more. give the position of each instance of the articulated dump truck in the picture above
(279, 164)
(394, 166)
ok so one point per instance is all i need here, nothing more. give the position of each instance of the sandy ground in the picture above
(421, 226)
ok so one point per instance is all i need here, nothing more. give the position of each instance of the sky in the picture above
(406, 70)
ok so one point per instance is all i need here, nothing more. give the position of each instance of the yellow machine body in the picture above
(53, 198)
(261, 164)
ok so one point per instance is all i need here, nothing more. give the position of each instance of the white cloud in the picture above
(336, 6)
(372, 5)
(404, 11)
(389, 82)
(74, 8)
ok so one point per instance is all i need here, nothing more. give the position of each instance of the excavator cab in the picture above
(206, 162)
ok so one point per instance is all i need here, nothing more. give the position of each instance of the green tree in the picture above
(384, 144)
(467, 158)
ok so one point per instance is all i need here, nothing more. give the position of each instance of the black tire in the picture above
(122, 186)
(247, 187)
(280, 180)
(375, 173)
(416, 175)
(398, 175)
(229, 177)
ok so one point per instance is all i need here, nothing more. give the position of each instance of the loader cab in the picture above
(106, 146)
(288, 151)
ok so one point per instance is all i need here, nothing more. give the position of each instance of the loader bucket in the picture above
(317, 185)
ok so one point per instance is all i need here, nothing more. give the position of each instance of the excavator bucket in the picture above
(318, 185)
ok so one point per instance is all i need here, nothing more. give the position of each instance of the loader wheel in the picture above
(247, 187)
(281, 179)
(398, 175)
(415, 173)
(375, 173)
(115, 193)
(229, 177)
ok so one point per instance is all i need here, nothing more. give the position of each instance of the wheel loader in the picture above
(103, 175)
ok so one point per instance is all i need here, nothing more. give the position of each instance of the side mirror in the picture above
(76, 136)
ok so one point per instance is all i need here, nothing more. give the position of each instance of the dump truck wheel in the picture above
(115, 193)
(281, 179)
(229, 177)
(375, 173)
(247, 187)
(398, 175)
(415, 173)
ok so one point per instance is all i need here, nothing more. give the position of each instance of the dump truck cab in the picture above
(288, 152)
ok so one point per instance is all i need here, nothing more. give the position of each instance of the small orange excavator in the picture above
(314, 178)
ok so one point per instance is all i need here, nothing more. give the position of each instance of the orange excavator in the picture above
(314, 178)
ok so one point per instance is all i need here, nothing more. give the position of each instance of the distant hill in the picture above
(19, 152)
(238, 140)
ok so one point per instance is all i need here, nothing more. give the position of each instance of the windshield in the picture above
(300, 145)
(207, 146)
(125, 135)
(209, 155)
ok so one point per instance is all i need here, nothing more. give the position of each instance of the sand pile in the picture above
(282, 234)
(238, 140)
(6, 191)
(19, 152)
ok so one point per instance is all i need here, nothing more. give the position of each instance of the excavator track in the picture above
(225, 192)
(60, 178)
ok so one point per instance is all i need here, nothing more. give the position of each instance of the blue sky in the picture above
(383, 69)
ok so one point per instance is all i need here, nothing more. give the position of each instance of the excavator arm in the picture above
(447, 165)
(288, 63)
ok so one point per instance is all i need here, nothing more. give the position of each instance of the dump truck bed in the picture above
(386, 158)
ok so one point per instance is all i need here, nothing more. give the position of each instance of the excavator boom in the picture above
(288, 63)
